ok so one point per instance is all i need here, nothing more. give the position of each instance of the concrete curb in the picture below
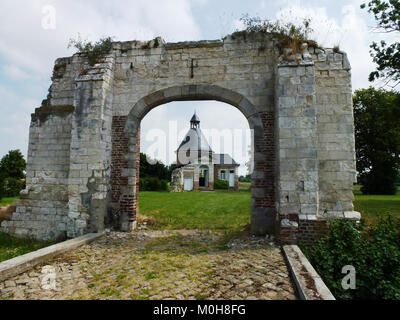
(18, 265)
(309, 284)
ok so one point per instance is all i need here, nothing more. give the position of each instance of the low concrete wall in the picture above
(309, 284)
(18, 265)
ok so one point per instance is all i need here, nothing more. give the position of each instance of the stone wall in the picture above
(83, 163)
(336, 144)
(43, 208)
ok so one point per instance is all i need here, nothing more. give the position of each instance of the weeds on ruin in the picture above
(156, 43)
(336, 49)
(95, 51)
(288, 34)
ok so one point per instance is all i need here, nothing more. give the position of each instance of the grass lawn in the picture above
(221, 210)
(230, 211)
(372, 206)
(4, 202)
(11, 247)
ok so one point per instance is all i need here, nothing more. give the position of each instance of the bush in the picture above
(153, 184)
(221, 185)
(12, 187)
(374, 252)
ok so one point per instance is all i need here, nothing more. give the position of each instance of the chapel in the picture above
(198, 166)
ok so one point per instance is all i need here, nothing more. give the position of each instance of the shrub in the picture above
(221, 185)
(164, 186)
(153, 184)
(374, 252)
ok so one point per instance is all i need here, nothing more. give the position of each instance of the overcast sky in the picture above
(28, 51)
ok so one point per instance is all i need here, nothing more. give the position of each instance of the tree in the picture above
(154, 169)
(12, 171)
(2, 191)
(386, 56)
(13, 165)
(377, 131)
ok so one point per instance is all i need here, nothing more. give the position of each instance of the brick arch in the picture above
(125, 189)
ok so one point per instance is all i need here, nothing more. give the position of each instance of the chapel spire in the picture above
(195, 122)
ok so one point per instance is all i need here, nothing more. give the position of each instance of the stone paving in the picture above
(157, 265)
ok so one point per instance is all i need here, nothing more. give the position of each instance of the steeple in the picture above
(195, 122)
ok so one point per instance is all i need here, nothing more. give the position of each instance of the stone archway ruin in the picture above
(263, 191)
(84, 146)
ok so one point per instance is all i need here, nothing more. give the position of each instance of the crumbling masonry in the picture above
(83, 167)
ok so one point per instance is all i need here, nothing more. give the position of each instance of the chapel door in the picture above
(232, 179)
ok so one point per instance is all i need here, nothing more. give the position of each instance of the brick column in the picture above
(263, 176)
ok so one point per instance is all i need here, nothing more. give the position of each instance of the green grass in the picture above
(230, 211)
(4, 202)
(373, 206)
(11, 247)
(196, 210)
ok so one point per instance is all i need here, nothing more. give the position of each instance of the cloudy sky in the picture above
(30, 41)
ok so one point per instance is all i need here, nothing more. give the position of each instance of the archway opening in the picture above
(126, 154)
(195, 168)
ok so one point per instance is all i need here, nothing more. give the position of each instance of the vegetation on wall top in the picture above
(288, 34)
(95, 51)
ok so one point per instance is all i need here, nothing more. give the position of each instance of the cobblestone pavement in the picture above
(160, 265)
